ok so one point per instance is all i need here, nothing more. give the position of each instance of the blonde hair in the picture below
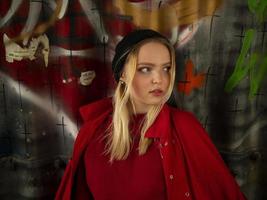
(119, 140)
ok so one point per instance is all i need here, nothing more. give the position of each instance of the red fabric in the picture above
(111, 180)
(193, 168)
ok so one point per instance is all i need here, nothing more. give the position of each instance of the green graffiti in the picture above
(257, 75)
(259, 8)
(241, 69)
(254, 64)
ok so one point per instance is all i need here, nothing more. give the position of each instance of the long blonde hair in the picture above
(119, 139)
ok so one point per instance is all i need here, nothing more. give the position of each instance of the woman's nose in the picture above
(157, 78)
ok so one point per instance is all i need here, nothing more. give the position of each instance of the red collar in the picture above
(161, 126)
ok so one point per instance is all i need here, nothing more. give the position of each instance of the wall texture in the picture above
(56, 57)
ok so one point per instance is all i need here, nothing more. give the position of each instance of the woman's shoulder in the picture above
(185, 121)
(95, 115)
(187, 124)
(181, 115)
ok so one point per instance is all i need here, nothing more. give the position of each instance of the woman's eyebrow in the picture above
(145, 63)
(167, 63)
(152, 64)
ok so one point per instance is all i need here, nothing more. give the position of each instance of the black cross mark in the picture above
(3, 91)
(19, 83)
(207, 123)
(104, 48)
(26, 133)
(62, 124)
(25, 130)
(241, 36)
(72, 33)
(235, 110)
(211, 25)
(258, 97)
(184, 82)
(263, 31)
(208, 74)
(50, 85)
(186, 54)
(184, 85)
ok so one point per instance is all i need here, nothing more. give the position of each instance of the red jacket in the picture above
(193, 167)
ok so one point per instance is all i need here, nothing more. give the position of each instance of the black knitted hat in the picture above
(125, 46)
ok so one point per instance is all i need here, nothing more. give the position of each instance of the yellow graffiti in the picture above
(167, 16)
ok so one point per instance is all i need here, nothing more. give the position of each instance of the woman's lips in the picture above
(156, 92)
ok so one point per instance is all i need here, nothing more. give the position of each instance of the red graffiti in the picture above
(191, 80)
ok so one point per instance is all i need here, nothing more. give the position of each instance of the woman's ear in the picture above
(122, 78)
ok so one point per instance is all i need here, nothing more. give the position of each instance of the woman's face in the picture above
(152, 76)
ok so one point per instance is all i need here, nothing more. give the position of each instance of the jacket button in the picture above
(187, 194)
(171, 177)
(161, 154)
(165, 144)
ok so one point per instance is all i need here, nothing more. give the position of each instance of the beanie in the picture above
(125, 46)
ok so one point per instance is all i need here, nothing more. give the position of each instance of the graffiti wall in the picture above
(56, 56)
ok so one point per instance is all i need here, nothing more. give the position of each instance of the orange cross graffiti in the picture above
(192, 81)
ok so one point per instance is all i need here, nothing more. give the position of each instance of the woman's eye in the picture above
(167, 69)
(144, 69)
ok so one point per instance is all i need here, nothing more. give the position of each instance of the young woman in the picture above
(136, 147)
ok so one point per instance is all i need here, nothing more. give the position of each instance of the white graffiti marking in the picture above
(87, 77)
(16, 52)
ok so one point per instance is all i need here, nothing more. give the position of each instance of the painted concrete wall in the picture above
(57, 57)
